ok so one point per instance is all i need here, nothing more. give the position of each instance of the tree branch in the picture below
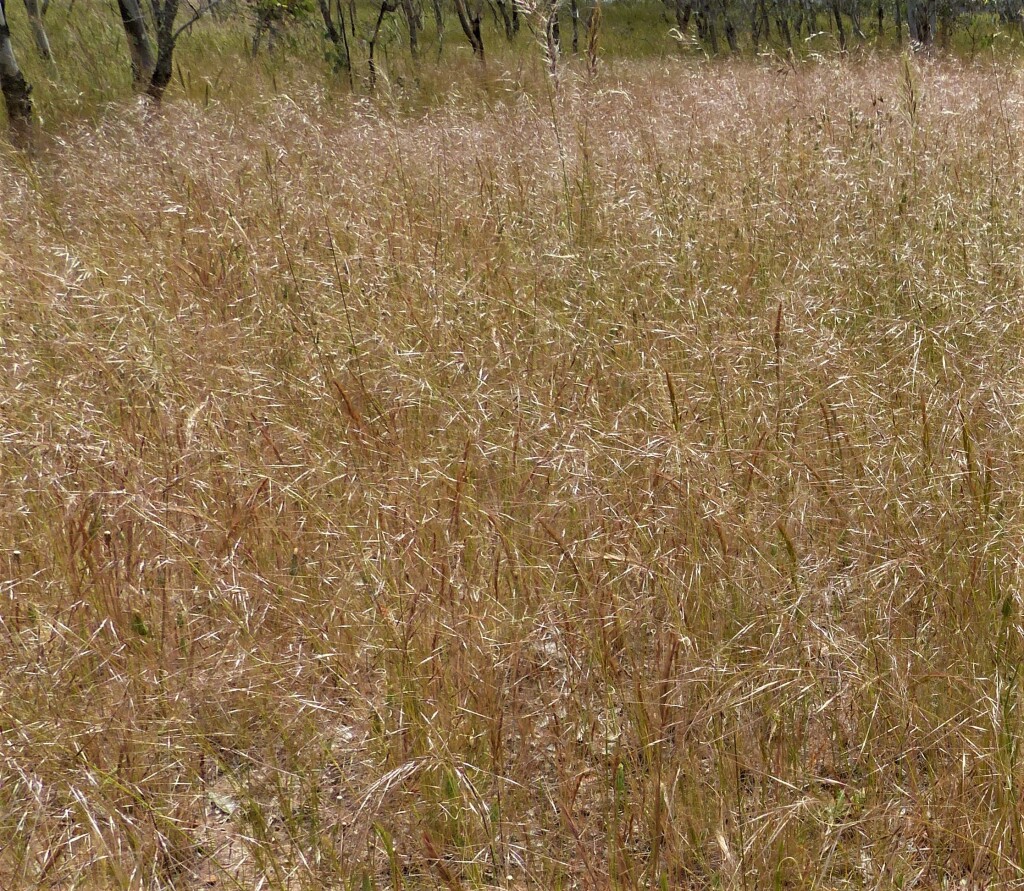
(199, 13)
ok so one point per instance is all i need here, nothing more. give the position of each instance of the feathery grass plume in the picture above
(542, 17)
(593, 33)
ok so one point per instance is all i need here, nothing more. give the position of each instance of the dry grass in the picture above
(621, 490)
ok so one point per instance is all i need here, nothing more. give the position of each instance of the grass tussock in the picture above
(612, 490)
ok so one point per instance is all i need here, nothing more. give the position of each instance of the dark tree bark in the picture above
(412, 18)
(947, 16)
(921, 21)
(439, 26)
(334, 31)
(505, 10)
(165, 16)
(730, 36)
(853, 11)
(337, 34)
(760, 24)
(386, 8)
(683, 10)
(706, 30)
(782, 25)
(139, 48)
(840, 29)
(15, 89)
(469, 19)
(165, 12)
(808, 18)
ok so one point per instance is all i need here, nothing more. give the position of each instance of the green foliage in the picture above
(268, 11)
(215, 59)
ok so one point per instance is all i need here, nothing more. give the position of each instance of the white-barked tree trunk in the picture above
(35, 21)
(15, 89)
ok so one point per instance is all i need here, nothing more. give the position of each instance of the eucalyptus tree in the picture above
(386, 8)
(470, 15)
(165, 14)
(509, 10)
(165, 24)
(15, 89)
(922, 18)
(35, 21)
(414, 21)
(334, 24)
(139, 47)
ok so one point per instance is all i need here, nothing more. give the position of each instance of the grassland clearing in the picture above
(612, 488)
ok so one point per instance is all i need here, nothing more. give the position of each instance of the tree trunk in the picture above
(332, 29)
(946, 24)
(387, 7)
(470, 21)
(35, 21)
(683, 10)
(759, 26)
(413, 19)
(15, 89)
(853, 11)
(809, 17)
(166, 13)
(782, 25)
(706, 30)
(139, 47)
(921, 21)
(338, 36)
(730, 36)
(505, 8)
(439, 25)
(839, 26)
